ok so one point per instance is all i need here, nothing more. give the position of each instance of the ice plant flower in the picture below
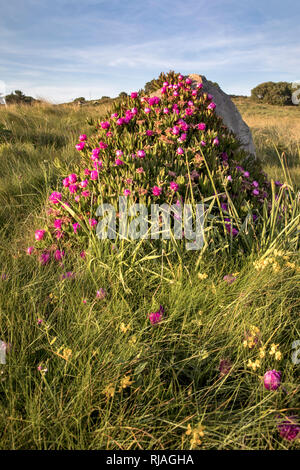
(289, 428)
(80, 146)
(141, 153)
(44, 258)
(174, 186)
(272, 379)
(58, 255)
(82, 137)
(134, 95)
(156, 317)
(156, 191)
(180, 151)
(76, 227)
(55, 197)
(127, 192)
(39, 234)
(29, 250)
(72, 178)
(94, 175)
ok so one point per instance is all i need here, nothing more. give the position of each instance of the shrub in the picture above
(18, 97)
(279, 93)
(5, 134)
(172, 149)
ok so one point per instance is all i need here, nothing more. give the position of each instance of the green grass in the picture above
(173, 367)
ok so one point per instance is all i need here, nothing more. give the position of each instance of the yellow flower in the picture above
(125, 382)
(124, 328)
(273, 349)
(262, 352)
(109, 390)
(202, 276)
(278, 355)
(254, 365)
(66, 354)
(195, 434)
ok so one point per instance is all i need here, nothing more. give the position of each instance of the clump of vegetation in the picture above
(5, 134)
(276, 93)
(18, 97)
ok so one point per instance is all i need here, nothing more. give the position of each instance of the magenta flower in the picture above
(82, 254)
(44, 258)
(39, 234)
(175, 130)
(229, 278)
(147, 110)
(255, 192)
(174, 186)
(231, 230)
(84, 183)
(149, 132)
(105, 125)
(76, 227)
(180, 151)
(156, 317)
(66, 182)
(127, 192)
(255, 184)
(203, 143)
(85, 194)
(188, 81)
(156, 191)
(272, 379)
(55, 197)
(96, 151)
(94, 175)
(82, 137)
(29, 250)
(101, 294)
(141, 153)
(80, 146)
(134, 95)
(73, 188)
(211, 105)
(216, 141)
(102, 145)
(246, 174)
(140, 170)
(58, 255)
(119, 153)
(93, 222)
(166, 111)
(120, 121)
(118, 162)
(72, 178)
(153, 100)
(289, 428)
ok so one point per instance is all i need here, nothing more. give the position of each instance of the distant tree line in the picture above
(277, 93)
(18, 97)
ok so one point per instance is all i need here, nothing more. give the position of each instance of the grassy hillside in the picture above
(86, 369)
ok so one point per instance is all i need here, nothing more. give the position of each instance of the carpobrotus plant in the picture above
(170, 148)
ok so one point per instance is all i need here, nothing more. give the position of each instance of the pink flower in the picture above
(44, 258)
(175, 130)
(101, 294)
(85, 194)
(147, 110)
(272, 379)
(156, 317)
(57, 223)
(82, 254)
(188, 81)
(76, 227)
(72, 178)
(39, 234)
(114, 115)
(118, 162)
(134, 95)
(94, 175)
(153, 100)
(66, 182)
(203, 143)
(149, 132)
(120, 121)
(73, 188)
(84, 183)
(119, 153)
(140, 170)
(80, 146)
(229, 278)
(96, 151)
(180, 151)
(127, 192)
(102, 145)
(289, 428)
(211, 105)
(30, 250)
(156, 191)
(174, 186)
(166, 110)
(255, 192)
(93, 222)
(58, 255)
(231, 230)
(87, 171)
(141, 153)
(55, 197)
(82, 137)
(105, 125)
(216, 141)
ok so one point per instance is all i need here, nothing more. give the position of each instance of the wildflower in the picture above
(272, 379)
(40, 321)
(76, 226)
(141, 153)
(156, 317)
(82, 254)
(84, 183)
(255, 192)
(147, 110)
(39, 234)
(180, 151)
(229, 278)
(156, 191)
(80, 146)
(55, 197)
(254, 365)
(211, 106)
(140, 170)
(101, 294)
(262, 353)
(225, 367)
(134, 95)
(174, 186)
(203, 143)
(29, 250)
(105, 125)
(289, 428)
(124, 328)
(109, 391)
(125, 382)
(58, 255)
(202, 276)
(44, 258)
(118, 162)
(126, 192)
(216, 141)
(94, 175)
(195, 434)
(119, 153)
(82, 137)
(166, 110)
(93, 222)
(66, 182)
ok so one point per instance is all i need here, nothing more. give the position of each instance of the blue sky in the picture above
(63, 49)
